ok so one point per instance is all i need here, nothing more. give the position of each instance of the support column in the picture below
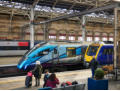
(76, 35)
(107, 36)
(93, 36)
(31, 28)
(83, 28)
(115, 41)
(67, 36)
(101, 36)
(58, 34)
(45, 30)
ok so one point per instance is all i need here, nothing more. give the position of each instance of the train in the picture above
(57, 53)
(103, 52)
(14, 47)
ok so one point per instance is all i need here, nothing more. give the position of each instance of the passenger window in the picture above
(105, 51)
(111, 51)
(71, 51)
(108, 51)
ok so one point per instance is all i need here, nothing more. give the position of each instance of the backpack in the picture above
(28, 81)
(74, 82)
(29, 74)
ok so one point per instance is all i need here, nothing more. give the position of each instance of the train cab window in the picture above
(42, 53)
(71, 51)
(92, 50)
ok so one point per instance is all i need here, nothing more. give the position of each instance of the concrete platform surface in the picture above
(17, 83)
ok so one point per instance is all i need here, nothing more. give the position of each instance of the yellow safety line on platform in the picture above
(58, 75)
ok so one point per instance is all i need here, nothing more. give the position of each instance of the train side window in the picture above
(71, 51)
(110, 51)
(105, 51)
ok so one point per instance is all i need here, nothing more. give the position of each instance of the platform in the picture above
(17, 83)
(9, 60)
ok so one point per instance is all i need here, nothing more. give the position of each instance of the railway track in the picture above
(10, 70)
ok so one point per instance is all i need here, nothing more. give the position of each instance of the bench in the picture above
(72, 87)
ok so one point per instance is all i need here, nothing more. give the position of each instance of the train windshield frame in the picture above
(34, 48)
(92, 50)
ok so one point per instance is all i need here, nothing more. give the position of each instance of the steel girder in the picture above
(102, 8)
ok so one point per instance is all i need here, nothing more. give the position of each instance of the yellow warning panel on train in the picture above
(71, 48)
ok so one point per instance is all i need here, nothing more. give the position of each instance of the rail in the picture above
(10, 70)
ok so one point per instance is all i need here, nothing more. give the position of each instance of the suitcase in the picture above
(28, 81)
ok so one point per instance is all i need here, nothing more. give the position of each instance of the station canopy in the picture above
(59, 6)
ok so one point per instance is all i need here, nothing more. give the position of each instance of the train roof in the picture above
(103, 43)
(68, 43)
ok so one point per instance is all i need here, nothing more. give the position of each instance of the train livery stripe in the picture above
(8, 43)
(13, 43)
(23, 44)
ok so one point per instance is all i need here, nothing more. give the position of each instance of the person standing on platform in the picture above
(46, 76)
(93, 65)
(37, 73)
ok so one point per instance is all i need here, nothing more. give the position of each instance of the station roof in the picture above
(79, 5)
(54, 7)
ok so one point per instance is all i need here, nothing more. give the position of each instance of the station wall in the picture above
(59, 30)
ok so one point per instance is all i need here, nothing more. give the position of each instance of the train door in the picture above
(105, 55)
(55, 55)
(100, 56)
(62, 52)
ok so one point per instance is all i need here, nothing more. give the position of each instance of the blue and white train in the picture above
(53, 53)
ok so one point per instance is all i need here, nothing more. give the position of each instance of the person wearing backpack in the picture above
(46, 76)
(93, 65)
(37, 73)
(28, 80)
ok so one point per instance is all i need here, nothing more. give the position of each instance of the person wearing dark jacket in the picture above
(46, 76)
(37, 73)
(93, 65)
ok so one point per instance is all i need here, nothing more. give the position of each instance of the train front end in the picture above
(91, 51)
(37, 53)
